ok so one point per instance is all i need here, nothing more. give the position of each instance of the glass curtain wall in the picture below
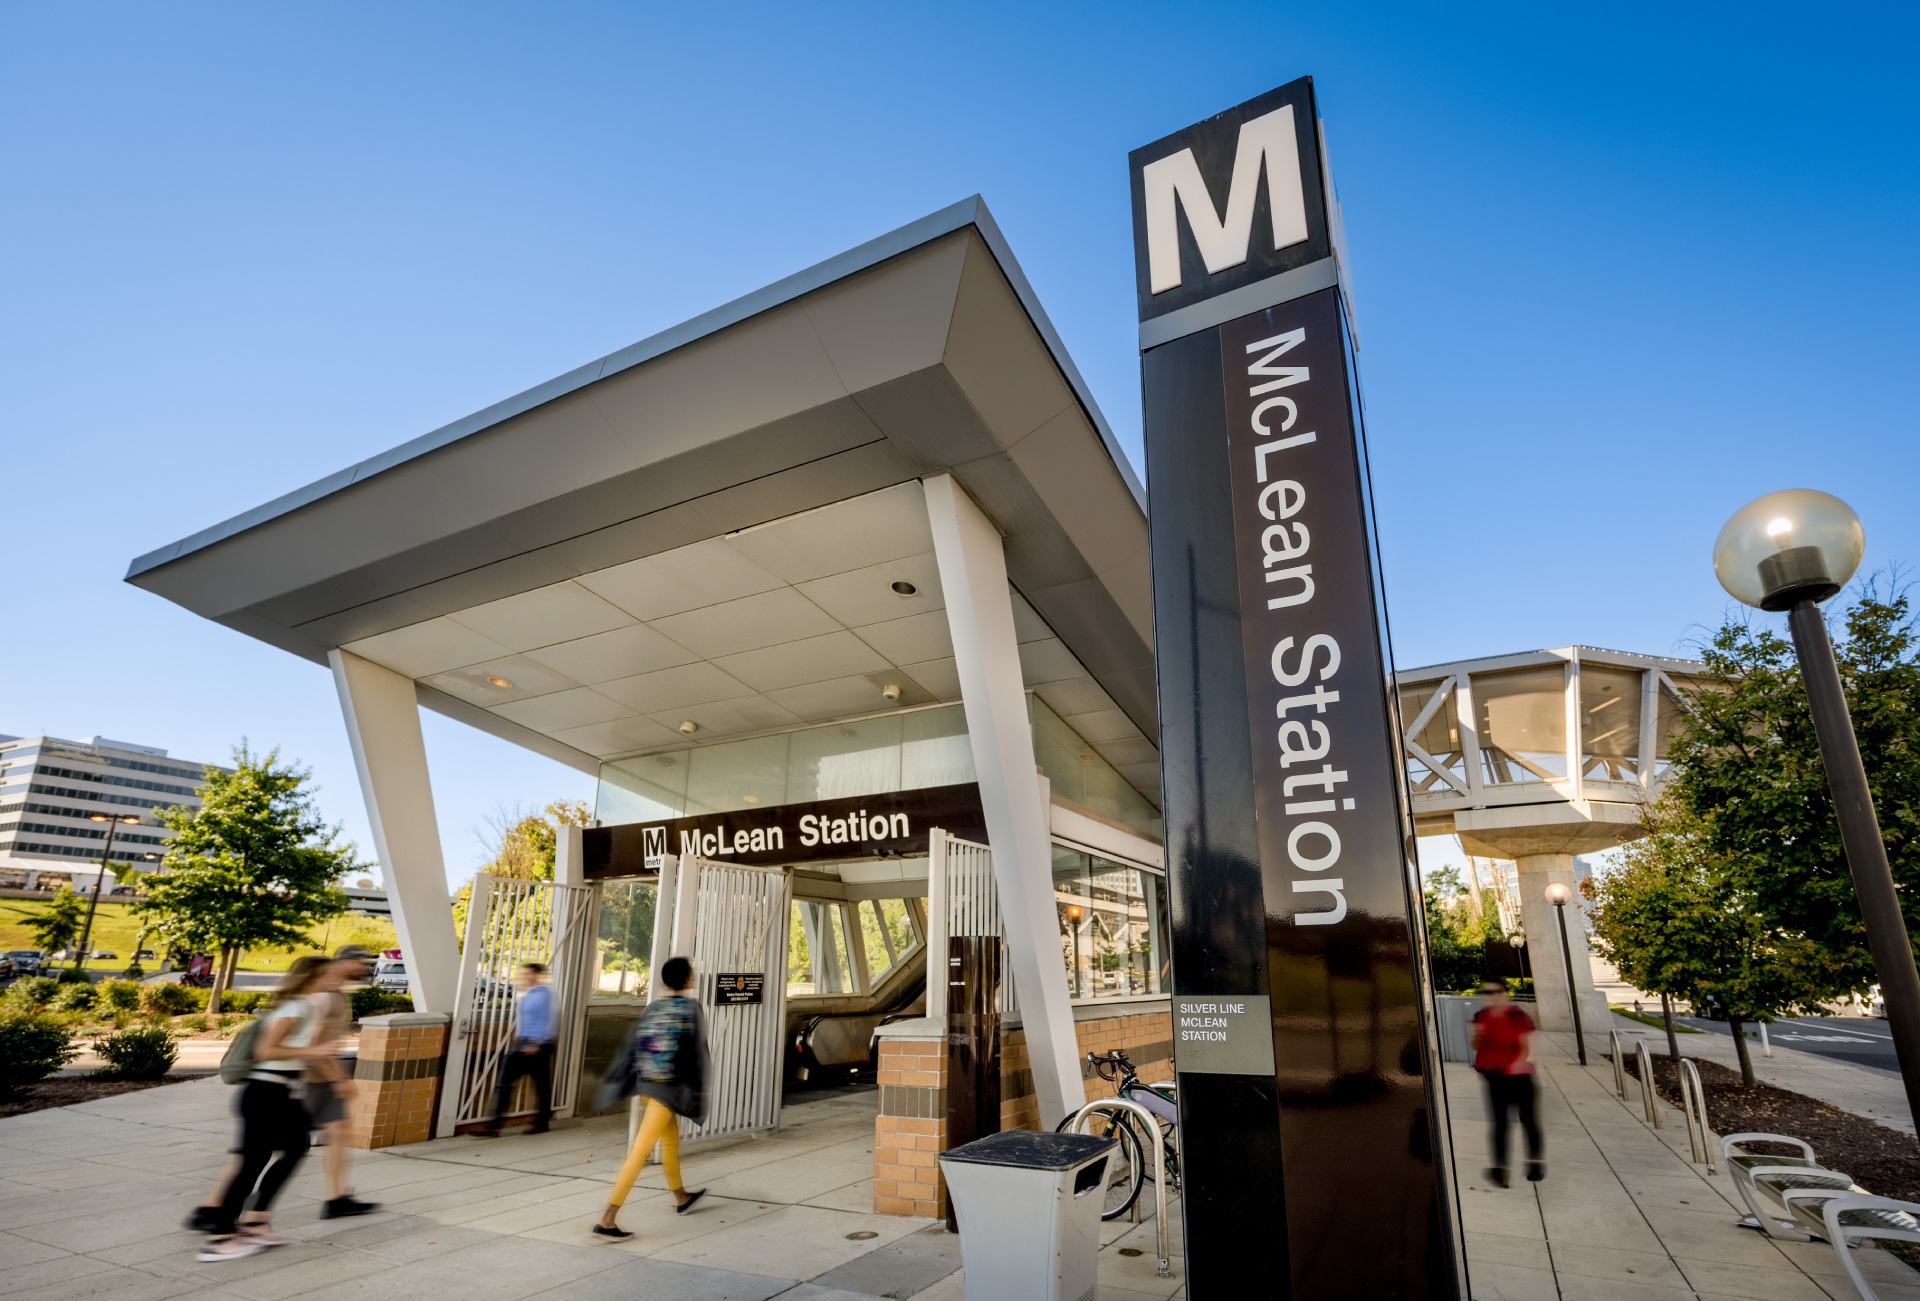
(905, 751)
(1113, 926)
(626, 938)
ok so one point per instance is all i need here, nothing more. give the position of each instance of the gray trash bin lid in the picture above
(1030, 1150)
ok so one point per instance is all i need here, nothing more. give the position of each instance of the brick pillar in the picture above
(397, 1081)
(912, 1125)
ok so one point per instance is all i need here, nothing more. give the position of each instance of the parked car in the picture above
(27, 962)
(144, 955)
(390, 975)
(1876, 1005)
(103, 955)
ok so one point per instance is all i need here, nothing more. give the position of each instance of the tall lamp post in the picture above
(1790, 551)
(1557, 895)
(1519, 943)
(86, 935)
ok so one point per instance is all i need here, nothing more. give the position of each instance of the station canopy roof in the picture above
(711, 524)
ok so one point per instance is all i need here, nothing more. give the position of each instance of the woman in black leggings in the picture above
(274, 1125)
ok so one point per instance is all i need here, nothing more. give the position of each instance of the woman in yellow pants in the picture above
(664, 1061)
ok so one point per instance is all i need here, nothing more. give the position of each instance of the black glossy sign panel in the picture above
(888, 825)
(739, 988)
(1289, 843)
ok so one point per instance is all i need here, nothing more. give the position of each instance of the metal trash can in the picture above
(1029, 1209)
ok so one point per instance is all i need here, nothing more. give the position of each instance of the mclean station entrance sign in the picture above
(1309, 1105)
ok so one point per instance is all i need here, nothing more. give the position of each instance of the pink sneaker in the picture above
(262, 1234)
(239, 1245)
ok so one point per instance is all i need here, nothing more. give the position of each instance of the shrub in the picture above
(31, 993)
(196, 1023)
(368, 1001)
(144, 1054)
(135, 971)
(244, 1000)
(32, 1047)
(75, 998)
(72, 976)
(168, 999)
(121, 995)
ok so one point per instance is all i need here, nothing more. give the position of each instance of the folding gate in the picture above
(732, 922)
(961, 900)
(510, 922)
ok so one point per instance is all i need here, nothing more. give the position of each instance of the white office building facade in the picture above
(52, 788)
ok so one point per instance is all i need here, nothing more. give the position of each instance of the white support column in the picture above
(570, 856)
(973, 572)
(383, 724)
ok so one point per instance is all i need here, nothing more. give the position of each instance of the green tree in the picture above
(59, 926)
(1747, 773)
(253, 867)
(521, 846)
(1673, 918)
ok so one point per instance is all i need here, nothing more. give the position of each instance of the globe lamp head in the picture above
(1786, 547)
(1558, 893)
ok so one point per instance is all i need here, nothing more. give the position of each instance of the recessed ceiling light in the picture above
(904, 588)
(751, 799)
(499, 682)
(688, 726)
(1088, 758)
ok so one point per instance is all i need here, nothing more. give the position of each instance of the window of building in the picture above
(1113, 926)
(627, 911)
(818, 957)
(886, 934)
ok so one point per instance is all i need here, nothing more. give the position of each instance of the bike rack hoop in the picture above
(1645, 1061)
(1152, 1126)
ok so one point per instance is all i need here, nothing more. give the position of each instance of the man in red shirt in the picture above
(1500, 1053)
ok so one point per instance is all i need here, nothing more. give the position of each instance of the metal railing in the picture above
(1693, 1101)
(1151, 1137)
(1618, 1052)
(1644, 1060)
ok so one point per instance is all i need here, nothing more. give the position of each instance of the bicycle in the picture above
(1129, 1170)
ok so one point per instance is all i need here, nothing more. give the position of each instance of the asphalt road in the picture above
(1862, 1041)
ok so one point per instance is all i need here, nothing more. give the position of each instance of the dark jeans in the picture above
(537, 1066)
(272, 1121)
(1511, 1092)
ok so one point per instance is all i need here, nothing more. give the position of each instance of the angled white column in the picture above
(973, 572)
(383, 723)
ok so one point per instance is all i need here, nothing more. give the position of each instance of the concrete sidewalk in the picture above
(1623, 1212)
(95, 1194)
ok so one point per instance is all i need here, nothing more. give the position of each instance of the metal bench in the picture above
(1762, 1181)
(1848, 1221)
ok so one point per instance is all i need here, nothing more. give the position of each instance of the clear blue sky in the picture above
(1616, 273)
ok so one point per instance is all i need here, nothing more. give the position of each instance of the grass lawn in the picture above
(1653, 1019)
(115, 926)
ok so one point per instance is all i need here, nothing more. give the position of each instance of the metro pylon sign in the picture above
(1312, 1126)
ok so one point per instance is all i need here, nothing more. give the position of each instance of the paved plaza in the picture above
(94, 1196)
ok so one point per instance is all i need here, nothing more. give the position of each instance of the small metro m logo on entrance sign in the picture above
(1263, 160)
(653, 850)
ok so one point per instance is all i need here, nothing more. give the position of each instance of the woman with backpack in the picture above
(663, 1061)
(274, 1124)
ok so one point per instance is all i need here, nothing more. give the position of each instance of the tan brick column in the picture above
(912, 1125)
(397, 1081)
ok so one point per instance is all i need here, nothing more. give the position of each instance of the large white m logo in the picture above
(1176, 179)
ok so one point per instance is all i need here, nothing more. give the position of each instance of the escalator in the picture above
(830, 1040)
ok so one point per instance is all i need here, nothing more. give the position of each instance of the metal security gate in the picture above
(510, 922)
(732, 921)
(961, 900)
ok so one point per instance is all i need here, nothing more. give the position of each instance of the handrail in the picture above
(1644, 1060)
(1152, 1125)
(1618, 1053)
(1693, 1101)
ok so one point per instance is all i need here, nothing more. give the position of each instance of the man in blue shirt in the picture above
(531, 1052)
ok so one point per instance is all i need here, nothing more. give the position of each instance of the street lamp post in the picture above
(1519, 943)
(1789, 551)
(86, 935)
(1557, 895)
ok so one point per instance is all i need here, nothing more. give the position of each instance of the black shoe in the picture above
(1536, 1171)
(539, 1129)
(205, 1219)
(338, 1208)
(615, 1232)
(1498, 1174)
(692, 1197)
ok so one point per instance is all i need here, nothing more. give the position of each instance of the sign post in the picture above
(1313, 1131)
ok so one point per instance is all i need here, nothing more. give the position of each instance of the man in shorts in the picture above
(1502, 1054)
